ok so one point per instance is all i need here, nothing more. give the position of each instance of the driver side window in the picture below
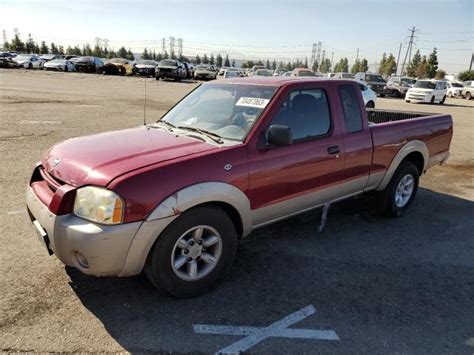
(306, 112)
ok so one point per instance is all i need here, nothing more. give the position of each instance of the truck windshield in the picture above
(424, 84)
(226, 110)
(376, 78)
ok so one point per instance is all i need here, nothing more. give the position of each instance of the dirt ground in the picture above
(393, 286)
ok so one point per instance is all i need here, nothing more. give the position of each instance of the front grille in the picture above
(40, 174)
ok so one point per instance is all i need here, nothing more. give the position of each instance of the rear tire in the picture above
(468, 95)
(432, 101)
(443, 100)
(180, 281)
(401, 190)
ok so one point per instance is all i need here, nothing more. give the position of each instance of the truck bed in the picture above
(382, 116)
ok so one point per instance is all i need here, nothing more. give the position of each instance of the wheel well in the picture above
(231, 212)
(417, 159)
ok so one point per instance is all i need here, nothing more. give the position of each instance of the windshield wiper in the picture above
(214, 136)
(165, 123)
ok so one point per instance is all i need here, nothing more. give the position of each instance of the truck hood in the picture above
(98, 159)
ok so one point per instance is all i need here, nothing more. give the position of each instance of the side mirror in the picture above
(279, 135)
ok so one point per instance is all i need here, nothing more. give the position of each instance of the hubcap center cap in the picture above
(195, 251)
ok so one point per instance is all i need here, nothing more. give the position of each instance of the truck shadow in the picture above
(362, 267)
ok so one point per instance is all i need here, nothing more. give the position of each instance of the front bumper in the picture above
(73, 240)
(417, 97)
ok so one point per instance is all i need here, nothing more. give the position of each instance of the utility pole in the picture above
(313, 53)
(472, 60)
(180, 47)
(332, 58)
(408, 52)
(318, 53)
(398, 59)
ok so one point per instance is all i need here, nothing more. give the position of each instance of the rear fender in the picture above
(408, 148)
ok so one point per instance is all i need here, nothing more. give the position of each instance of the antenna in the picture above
(144, 107)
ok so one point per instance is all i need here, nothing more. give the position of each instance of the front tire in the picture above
(370, 104)
(468, 95)
(193, 253)
(401, 190)
(432, 101)
(443, 100)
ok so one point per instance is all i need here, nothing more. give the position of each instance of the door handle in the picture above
(334, 149)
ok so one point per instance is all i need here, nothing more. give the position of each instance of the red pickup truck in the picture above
(173, 198)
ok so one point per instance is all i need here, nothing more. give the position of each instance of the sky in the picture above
(280, 30)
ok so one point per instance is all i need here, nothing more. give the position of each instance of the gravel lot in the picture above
(383, 285)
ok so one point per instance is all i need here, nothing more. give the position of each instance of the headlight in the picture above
(98, 205)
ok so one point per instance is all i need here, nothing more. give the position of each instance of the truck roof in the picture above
(276, 81)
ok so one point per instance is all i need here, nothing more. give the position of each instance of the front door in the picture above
(284, 180)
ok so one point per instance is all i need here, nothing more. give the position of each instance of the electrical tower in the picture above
(105, 42)
(318, 53)
(180, 47)
(323, 56)
(171, 43)
(313, 53)
(163, 46)
(410, 45)
(4, 36)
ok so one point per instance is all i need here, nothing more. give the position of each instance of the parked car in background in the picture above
(145, 67)
(6, 60)
(59, 64)
(368, 95)
(48, 57)
(221, 71)
(255, 68)
(341, 75)
(117, 66)
(28, 61)
(87, 64)
(397, 86)
(173, 198)
(262, 72)
(204, 72)
(375, 81)
(170, 69)
(454, 89)
(279, 72)
(428, 91)
(330, 75)
(468, 90)
(302, 72)
(70, 56)
(231, 74)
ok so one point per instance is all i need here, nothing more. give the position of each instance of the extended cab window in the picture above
(351, 108)
(306, 112)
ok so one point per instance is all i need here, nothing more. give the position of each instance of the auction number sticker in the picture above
(252, 102)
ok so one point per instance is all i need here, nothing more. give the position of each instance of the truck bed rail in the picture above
(381, 116)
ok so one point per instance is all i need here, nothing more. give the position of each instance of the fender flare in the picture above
(408, 148)
(169, 209)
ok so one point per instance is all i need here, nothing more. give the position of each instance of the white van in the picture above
(430, 91)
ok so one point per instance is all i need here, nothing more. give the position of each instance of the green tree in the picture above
(145, 55)
(413, 65)
(86, 50)
(244, 65)
(6, 45)
(326, 66)
(422, 69)
(383, 62)
(130, 55)
(342, 66)
(122, 52)
(274, 65)
(432, 64)
(165, 55)
(198, 59)
(17, 44)
(44, 48)
(211, 60)
(55, 49)
(364, 65)
(219, 61)
(226, 61)
(60, 50)
(97, 52)
(289, 66)
(466, 75)
(205, 59)
(305, 65)
(356, 67)
(267, 65)
(30, 44)
(315, 66)
(233, 62)
(389, 67)
(440, 74)
(159, 57)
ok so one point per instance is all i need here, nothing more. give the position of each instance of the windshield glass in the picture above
(230, 73)
(58, 61)
(227, 110)
(423, 84)
(456, 85)
(203, 67)
(262, 72)
(408, 81)
(372, 77)
(118, 60)
(147, 62)
(347, 76)
(167, 63)
(305, 73)
(22, 57)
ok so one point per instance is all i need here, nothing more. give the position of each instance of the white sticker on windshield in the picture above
(252, 102)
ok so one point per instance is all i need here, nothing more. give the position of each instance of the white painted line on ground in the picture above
(254, 335)
(38, 122)
(16, 212)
